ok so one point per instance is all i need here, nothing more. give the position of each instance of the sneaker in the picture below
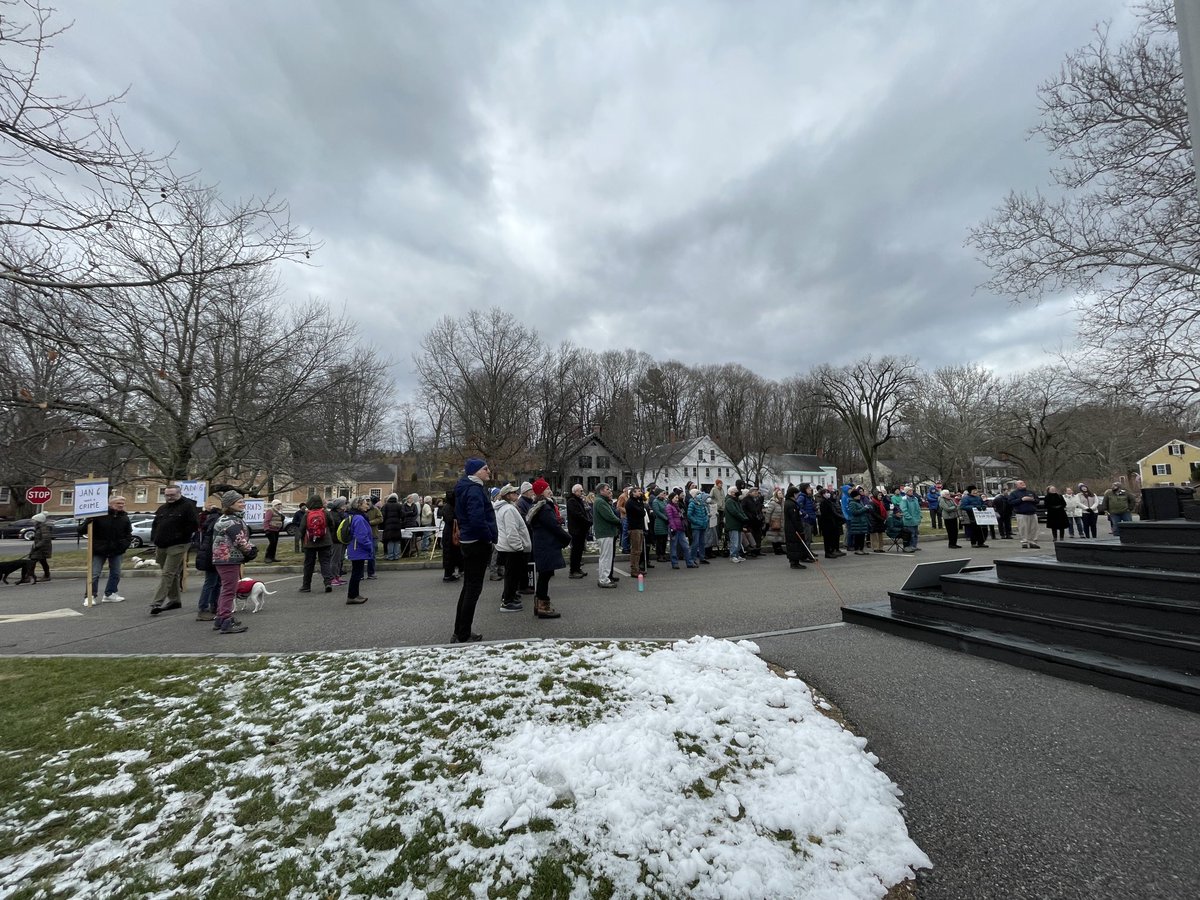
(511, 606)
(449, 578)
(233, 627)
(735, 559)
(305, 590)
(607, 584)
(1035, 546)
(470, 639)
(113, 598)
(355, 601)
(577, 575)
(337, 582)
(205, 616)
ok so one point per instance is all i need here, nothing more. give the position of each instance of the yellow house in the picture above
(1176, 463)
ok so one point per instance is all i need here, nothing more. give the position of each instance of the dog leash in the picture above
(821, 569)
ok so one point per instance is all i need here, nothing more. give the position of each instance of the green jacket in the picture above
(605, 521)
(735, 516)
(659, 509)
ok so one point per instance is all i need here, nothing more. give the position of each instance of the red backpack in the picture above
(314, 526)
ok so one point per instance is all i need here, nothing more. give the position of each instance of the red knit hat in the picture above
(541, 486)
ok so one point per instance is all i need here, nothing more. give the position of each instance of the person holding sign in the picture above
(112, 533)
(971, 504)
(175, 522)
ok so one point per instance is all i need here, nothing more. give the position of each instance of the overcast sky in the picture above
(705, 181)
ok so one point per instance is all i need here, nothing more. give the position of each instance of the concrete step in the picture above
(1113, 673)
(1174, 616)
(1129, 641)
(1150, 583)
(1166, 557)
(1176, 532)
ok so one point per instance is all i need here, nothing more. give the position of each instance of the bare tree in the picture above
(1034, 426)
(81, 210)
(1122, 230)
(869, 397)
(950, 420)
(482, 368)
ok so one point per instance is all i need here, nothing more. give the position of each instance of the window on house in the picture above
(701, 456)
(1175, 450)
(329, 492)
(1162, 469)
(141, 495)
(143, 467)
(162, 495)
(66, 498)
(601, 462)
(376, 493)
(593, 482)
(712, 455)
(585, 462)
(5, 496)
(707, 473)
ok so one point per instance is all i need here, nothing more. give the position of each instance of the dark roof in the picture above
(587, 439)
(665, 455)
(798, 462)
(367, 472)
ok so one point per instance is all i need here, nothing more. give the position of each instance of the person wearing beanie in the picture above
(392, 526)
(230, 548)
(40, 551)
(274, 522)
(579, 523)
(318, 545)
(361, 547)
(176, 522)
(477, 535)
(949, 511)
(735, 522)
(549, 538)
(513, 545)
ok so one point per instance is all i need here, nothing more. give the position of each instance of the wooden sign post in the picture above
(91, 500)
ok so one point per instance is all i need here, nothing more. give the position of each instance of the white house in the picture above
(697, 459)
(797, 468)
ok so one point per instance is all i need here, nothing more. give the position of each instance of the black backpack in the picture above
(204, 553)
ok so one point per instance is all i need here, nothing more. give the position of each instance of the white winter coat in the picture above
(513, 536)
(1074, 507)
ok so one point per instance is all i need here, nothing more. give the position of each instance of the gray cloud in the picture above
(777, 184)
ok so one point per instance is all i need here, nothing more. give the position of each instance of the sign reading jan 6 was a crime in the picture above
(194, 490)
(91, 498)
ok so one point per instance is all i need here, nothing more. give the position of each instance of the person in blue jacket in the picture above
(932, 497)
(477, 534)
(970, 502)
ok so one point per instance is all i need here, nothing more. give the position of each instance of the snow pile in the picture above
(632, 769)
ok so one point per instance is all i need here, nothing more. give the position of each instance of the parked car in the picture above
(141, 531)
(62, 528)
(16, 528)
(256, 528)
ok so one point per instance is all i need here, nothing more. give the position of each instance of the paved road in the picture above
(1017, 784)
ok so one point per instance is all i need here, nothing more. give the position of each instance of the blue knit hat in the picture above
(473, 465)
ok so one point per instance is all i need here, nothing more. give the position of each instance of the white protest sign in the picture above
(91, 498)
(255, 510)
(985, 517)
(194, 490)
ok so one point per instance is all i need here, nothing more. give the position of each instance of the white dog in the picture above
(139, 563)
(251, 591)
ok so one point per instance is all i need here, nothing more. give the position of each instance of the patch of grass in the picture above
(546, 683)
(587, 688)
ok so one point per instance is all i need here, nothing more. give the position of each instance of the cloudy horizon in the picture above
(707, 182)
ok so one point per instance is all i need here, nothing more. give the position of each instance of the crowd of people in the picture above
(522, 534)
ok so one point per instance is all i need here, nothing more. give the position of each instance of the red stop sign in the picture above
(39, 495)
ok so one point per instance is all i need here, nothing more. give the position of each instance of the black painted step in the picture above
(1177, 532)
(1044, 570)
(1104, 671)
(1164, 615)
(1169, 557)
(1174, 651)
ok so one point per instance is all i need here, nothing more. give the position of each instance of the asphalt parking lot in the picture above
(1017, 784)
